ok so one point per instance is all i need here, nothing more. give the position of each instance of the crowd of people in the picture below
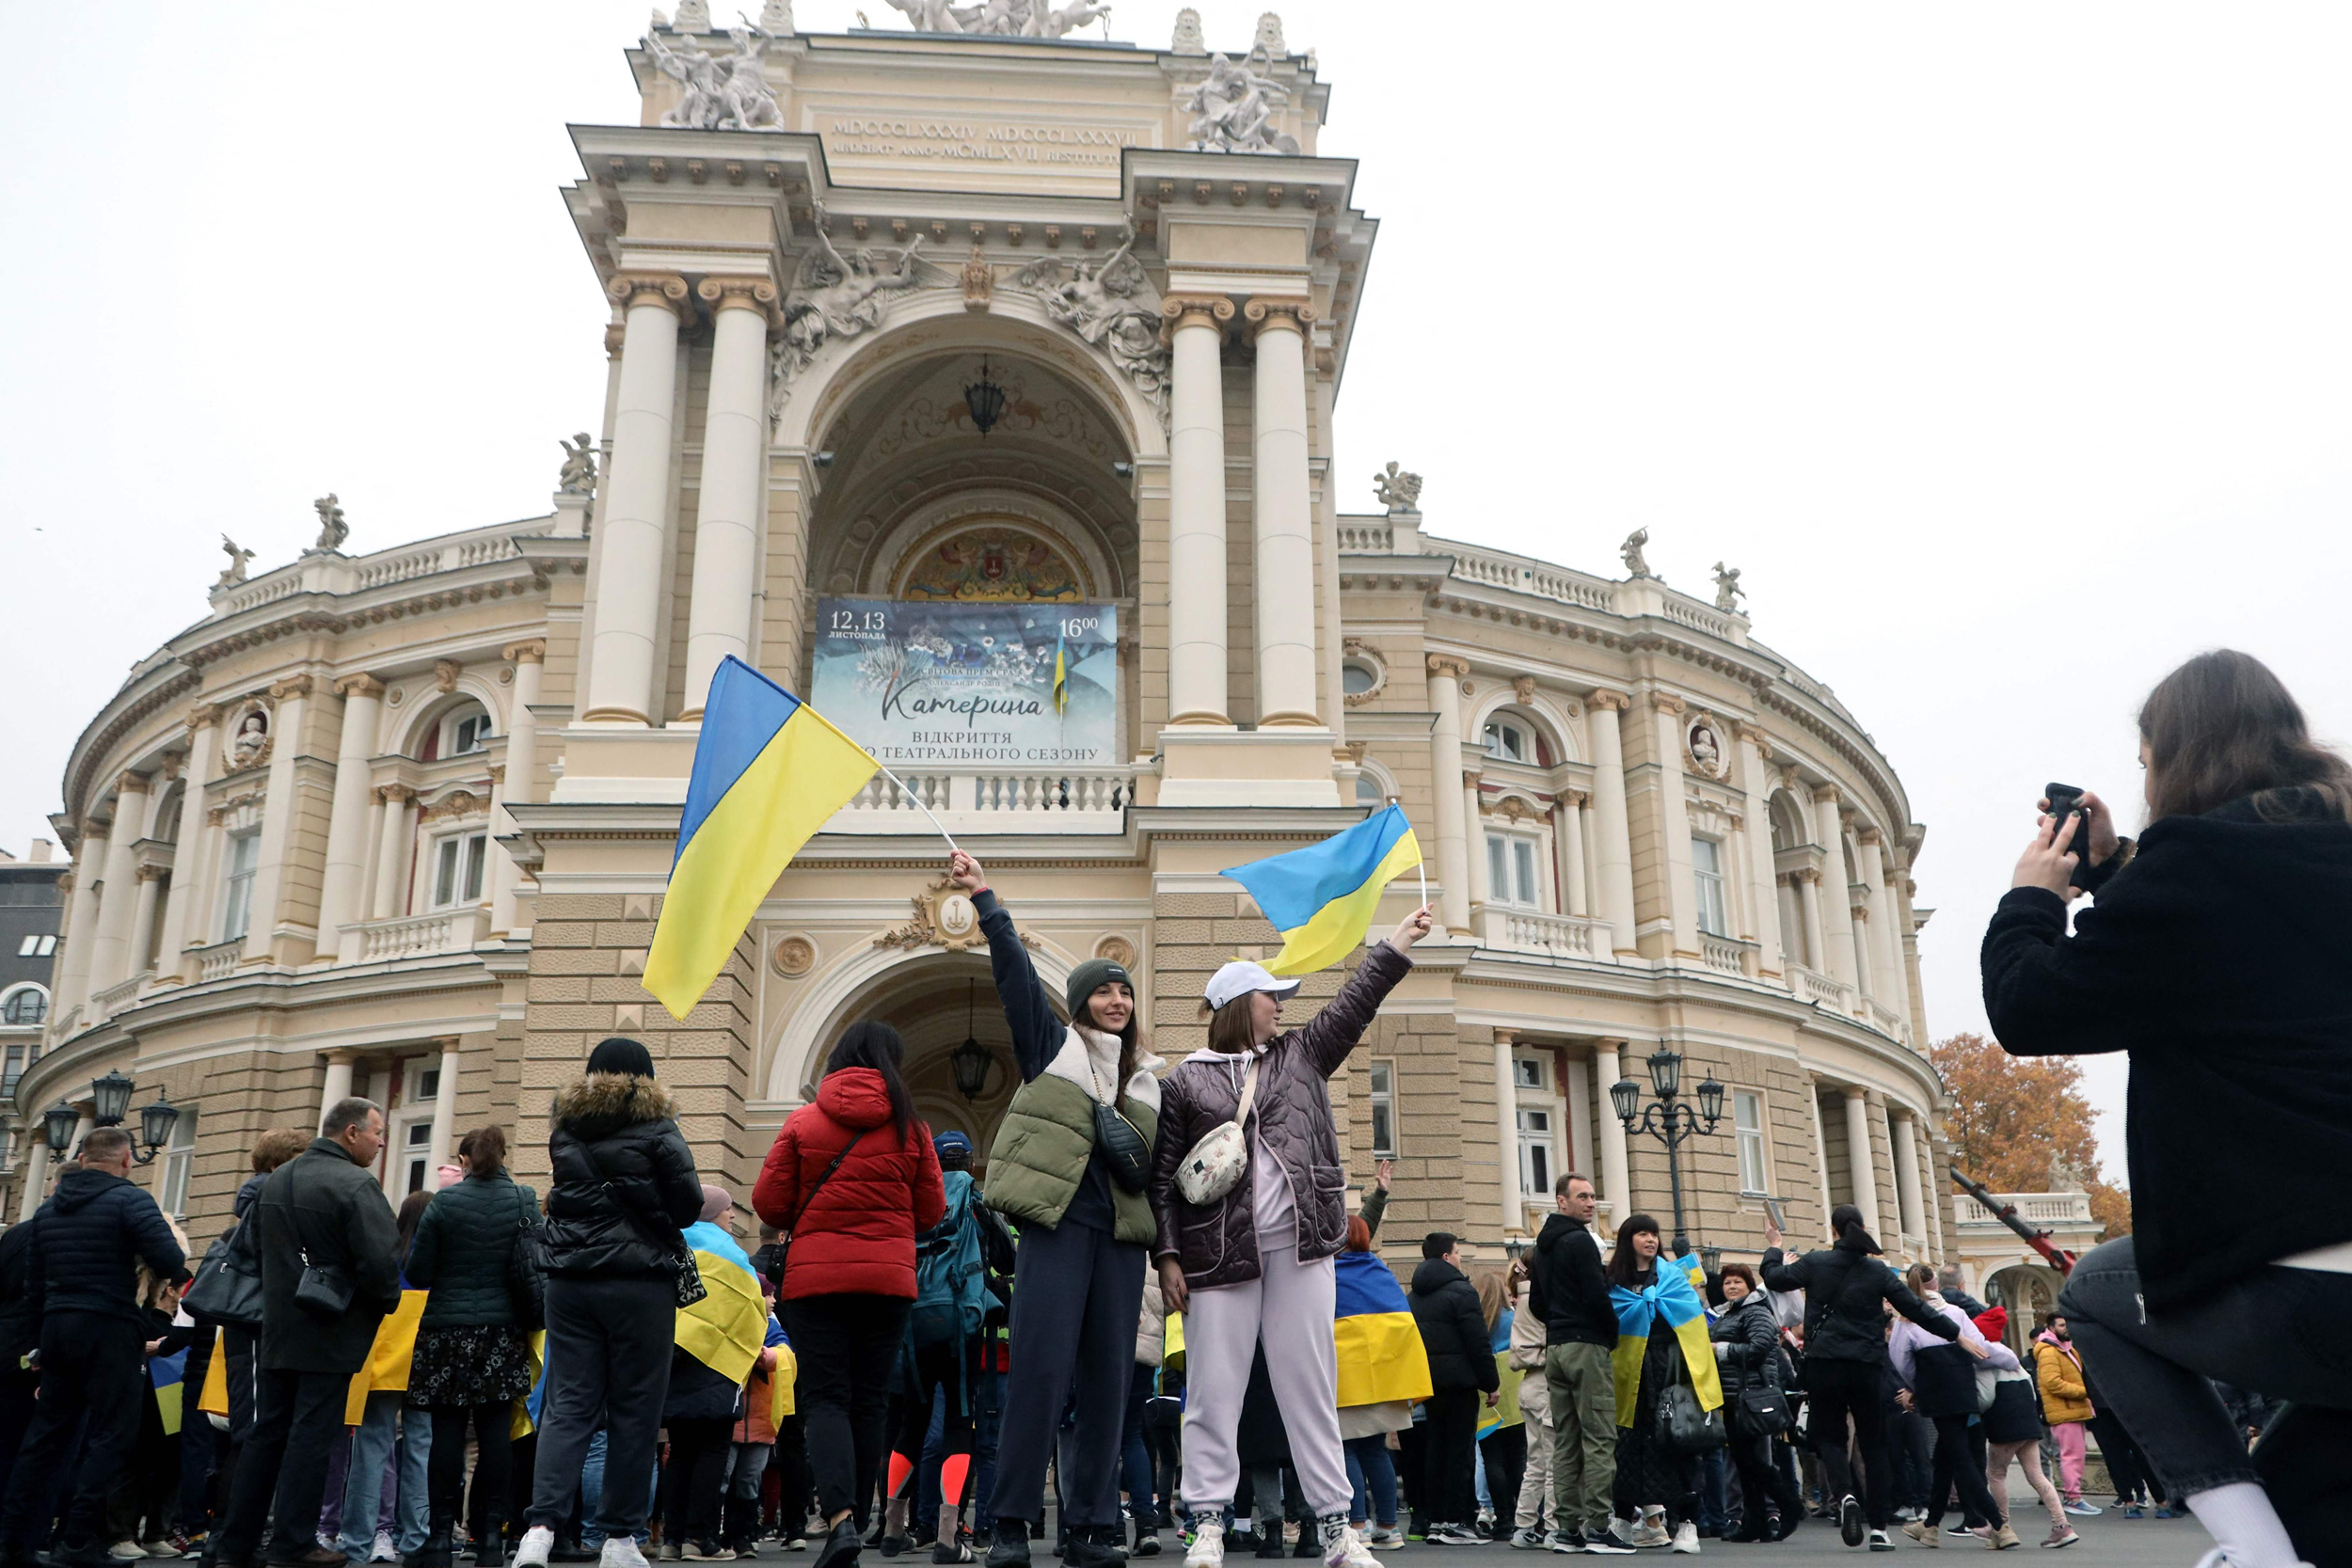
(1160, 1305)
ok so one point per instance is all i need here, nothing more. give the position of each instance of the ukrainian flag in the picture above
(1321, 898)
(1381, 1357)
(166, 1373)
(1676, 1301)
(769, 770)
(1061, 677)
(726, 1329)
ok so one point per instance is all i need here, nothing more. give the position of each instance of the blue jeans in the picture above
(1711, 1468)
(386, 1426)
(1372, 1471)
(1135, 1459)
(592, 1493)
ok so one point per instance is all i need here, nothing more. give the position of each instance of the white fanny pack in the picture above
(1213, 1165)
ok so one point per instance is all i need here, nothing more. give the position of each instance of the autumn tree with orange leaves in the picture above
(2021, 1125)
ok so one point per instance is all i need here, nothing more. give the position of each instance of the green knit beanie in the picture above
(1087, 978)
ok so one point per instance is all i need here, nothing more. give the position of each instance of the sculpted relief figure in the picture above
(840, 296)
(1110, 304)
(578, 476)
(1234, 109)
(697, 76)
(245, 747)
(1636, 563)
(719, 92)
(1397, 490)
(234, 571)
(333, 531)
(1728, 590)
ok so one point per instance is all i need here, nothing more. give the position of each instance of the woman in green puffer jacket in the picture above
(472, 1359)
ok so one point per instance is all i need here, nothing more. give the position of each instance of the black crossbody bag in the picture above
(814, 1188)
(324, 1289)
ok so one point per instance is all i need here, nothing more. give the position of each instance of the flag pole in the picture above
(919, 805)
(1421, 866)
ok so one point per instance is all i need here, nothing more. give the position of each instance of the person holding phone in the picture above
(2216, 957)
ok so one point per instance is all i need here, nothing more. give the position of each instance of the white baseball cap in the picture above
(1241, 978)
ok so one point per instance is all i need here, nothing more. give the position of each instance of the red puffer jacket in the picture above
(857, 1234)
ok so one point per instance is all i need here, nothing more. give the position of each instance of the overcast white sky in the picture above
(2007, 348)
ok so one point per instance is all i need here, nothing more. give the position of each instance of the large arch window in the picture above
(464, 729)
(25, 1005)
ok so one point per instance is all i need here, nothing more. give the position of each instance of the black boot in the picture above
(1094, 1546)
(439, 1548)
(1010, 1549)
(840, 1547)
(489, 1543)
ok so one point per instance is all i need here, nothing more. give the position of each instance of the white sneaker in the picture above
(127, 1551)
(1651, 1532)
(1528, 1540)
(1349, 1551)
(537, 1543)
(620, 1552)
(1686, 1539)
(386, 1549)
(1208, 1543)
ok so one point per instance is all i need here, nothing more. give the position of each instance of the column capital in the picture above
(1615, 1046)
(1666, 702)
(132, 782)
(1293, 315)
(153, 872)
(1808, 874)
(1506, 1036)
(756, 294)
(65, 883)
(341, 1058)
(1178, 312)
(630, 289)
(1449, 666)
(1744, 731)
(201, 716)
(293, 686)
(1827, 792)
(498, 773)
(358, 686)
(1866, 837)
(529, 651)
(1579, 799)
(1854, 1091)
(396, 793)
(1603, 699)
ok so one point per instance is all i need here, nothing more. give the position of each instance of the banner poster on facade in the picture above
(950, 684)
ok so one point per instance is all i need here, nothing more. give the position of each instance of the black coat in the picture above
(20, 1328)
(697, 1392)
(322, 1202)
(2216, 959)
(1567, 1288)
(1452, 1330)
(1751, 1341)
(464, 1247)
(86, 1245)
(1843, 1321)
(622, 1183)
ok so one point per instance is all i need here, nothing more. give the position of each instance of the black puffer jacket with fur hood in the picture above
(623, 1181)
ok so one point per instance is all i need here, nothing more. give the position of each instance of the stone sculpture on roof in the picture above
(333, 531)
(578, 475)
(719, 92)
(234, 571)
(1397, 490)
(1728, 590)
(1636, 563)
(1232, 110)
(1001, 18)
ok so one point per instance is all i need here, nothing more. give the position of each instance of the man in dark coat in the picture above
(81, 1280)
(1461, 1367)
(326, 1203)
(1568, 1290)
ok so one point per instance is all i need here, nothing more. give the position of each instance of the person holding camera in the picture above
(2215, 958)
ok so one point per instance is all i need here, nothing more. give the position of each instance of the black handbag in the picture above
(1761, 1412)
(228, 1284)
(1122, 1146)
(526, 1270)
(324, 1289)
(1683, 1425)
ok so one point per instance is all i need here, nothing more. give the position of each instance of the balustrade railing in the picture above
(1725, 955)
(421, 936)
(106, 1003)
(218, 961)
(1812, 986)
(1559, 936)
(996, 801)
(1367, 539)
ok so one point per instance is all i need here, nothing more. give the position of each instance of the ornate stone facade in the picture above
(400, 822)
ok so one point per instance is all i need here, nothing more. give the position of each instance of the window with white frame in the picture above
(11, 1067)
(25, 1005)
(1382, 1101)
(457, 861)
(1514, 863)
(410, 1138)
(1706, 866)
(1507, 741)
(1368, 791)
(179, 1164)
(1747, 1121)
(236, 898)
(1357, 676)
(1535, 1160)
(1527, 1072)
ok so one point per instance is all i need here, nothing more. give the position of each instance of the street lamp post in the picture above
(1671, 1120)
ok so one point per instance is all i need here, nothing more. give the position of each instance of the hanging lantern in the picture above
(985, 401)
(110, 1099)
(156, 1122)
(56, 1125)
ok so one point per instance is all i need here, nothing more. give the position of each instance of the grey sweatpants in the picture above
(1290, 1306)
(608, 1344)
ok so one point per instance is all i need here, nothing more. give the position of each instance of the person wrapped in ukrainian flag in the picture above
(721, 1340)
(1661, 1343)
(1384, 1370)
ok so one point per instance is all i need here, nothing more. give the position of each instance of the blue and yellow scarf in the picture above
(1674, 1298)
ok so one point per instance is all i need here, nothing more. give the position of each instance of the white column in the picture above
(1887, 955)
(1285, 524)
(36, 1170)
(393, 851)
(1568, 841)
(186, 902)
(1809, 905)
(278, 817)
(81, 921)
(633, 514)
(1507, 1136)
(1445, 788)
(734, 442)
(1859, 1164)
(445, 1107)
(1836, 912)
(1617, 1164)
(338, 1087)
(348, 843)
(1475, 840)
(1763, 880)
(110, 953)
(151, 879)
(1905, 1144)
(1674, 825)
(1612, 838)
(1197, 568)
(522, 761)
(1865, 969)
(1820, 1151)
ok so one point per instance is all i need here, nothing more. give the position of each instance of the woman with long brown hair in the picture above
(2216, 956)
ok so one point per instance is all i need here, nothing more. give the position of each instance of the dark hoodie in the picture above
(86, 1245)
(1452, 1330)
(1567, 1288)
(621, 1180)
(1843, 1287)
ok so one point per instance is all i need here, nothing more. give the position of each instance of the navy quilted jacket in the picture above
(86, 1245)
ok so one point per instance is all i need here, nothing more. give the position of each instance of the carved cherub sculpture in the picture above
(1636, 563)
(578, 476)
(1728, 590)
(1397, 490)
(333, 531)
(234, 571)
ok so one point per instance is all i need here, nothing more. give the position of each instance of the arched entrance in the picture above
(2027, 1289)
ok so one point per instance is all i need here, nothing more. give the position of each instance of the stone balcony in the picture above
(993, 800)
(422, 936)
(1556, 935)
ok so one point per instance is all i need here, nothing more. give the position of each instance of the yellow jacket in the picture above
(2060, 1378)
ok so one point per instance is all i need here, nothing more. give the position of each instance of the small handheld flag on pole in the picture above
(768, 771)
(1321, 898)
(1061, 677)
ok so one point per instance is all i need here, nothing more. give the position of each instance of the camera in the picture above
(2065, 801)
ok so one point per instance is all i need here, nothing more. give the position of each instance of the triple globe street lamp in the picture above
(110, 1102)
(1671, 1120)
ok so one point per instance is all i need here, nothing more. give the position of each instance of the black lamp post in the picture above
(1669, 1119)
(155, 1124)
(56, 1125)
(110, 1099)
(110, 1103)
(985, 400)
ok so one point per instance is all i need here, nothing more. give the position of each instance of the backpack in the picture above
(950, 1280)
